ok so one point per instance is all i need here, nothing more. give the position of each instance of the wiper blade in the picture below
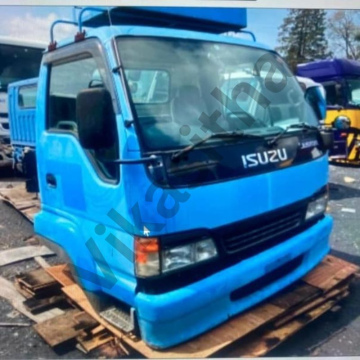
(224, 135)
(303, 126)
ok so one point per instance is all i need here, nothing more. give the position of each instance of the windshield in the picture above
(354, 91)
(184, 90)
(18, 63)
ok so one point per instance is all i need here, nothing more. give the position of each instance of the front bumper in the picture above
(169, 319)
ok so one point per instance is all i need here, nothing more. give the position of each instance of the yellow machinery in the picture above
(341, 80)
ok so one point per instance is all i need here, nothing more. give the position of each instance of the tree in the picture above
(344, 33)
(302, 36)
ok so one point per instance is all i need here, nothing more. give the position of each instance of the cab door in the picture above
(77, 189)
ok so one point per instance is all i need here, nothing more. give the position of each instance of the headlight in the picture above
(317, 207)
(147, 255)
(186, 255)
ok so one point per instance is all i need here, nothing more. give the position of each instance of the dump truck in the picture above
(340, 78)
(173, 166)
(20, 60)
(22, 113)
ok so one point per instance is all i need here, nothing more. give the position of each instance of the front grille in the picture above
(256, 235)
(5, 126)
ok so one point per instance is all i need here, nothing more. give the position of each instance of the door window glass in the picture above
(67, 80)
(27, 97)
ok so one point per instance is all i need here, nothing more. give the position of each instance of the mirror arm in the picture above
(128, 123)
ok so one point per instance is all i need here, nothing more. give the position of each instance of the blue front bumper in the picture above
(174, 317)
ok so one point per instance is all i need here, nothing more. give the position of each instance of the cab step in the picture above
(120, 318)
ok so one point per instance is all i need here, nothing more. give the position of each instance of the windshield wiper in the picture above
(222, 135)
(303, 126)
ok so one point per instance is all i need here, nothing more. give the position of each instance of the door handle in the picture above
(51, 180)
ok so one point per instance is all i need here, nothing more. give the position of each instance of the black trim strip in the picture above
(267, 279)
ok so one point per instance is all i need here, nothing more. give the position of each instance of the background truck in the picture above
(165, 182)
(19, 60)
(341, 80)
(22, 113)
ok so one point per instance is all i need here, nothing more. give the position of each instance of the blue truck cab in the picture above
(181, 197)
(22, 113)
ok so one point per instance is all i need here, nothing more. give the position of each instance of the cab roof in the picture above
(213, 20)
(205, 24)
(106, 33)
(329, 69)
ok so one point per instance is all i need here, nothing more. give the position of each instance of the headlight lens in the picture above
(178, 257)
(317, 207)
(147, 255)
(181, 256)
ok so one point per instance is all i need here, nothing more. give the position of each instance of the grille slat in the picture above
(253, 233)
(273, 230)
(258, 233)
(256, 241)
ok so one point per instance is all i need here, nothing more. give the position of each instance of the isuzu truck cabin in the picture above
(182, 171)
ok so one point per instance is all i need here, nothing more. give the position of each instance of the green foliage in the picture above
(302, 36)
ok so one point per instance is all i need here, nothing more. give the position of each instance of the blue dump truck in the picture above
(181, 171)
(19, 59)
(22, 113)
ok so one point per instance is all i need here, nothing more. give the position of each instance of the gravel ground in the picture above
(21, 342)
(333, 334)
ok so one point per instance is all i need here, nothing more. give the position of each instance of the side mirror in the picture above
(316, 98)
(327, 138)
(341, 123)
(95, 118)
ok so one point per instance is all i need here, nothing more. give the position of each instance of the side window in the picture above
(67, 80)
(333, 93)
(27, 97)
(354, 89)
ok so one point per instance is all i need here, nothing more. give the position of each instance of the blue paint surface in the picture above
(177, 316)
(22, 120)
(71, 212)
(210, 19)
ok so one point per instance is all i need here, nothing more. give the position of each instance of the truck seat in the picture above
(187, 106)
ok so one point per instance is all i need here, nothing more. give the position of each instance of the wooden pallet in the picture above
(253, 333)
(28, 204)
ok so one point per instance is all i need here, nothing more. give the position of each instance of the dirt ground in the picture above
(333, 334)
